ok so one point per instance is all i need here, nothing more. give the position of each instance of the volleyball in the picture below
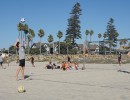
(22, 20)
(21, 89)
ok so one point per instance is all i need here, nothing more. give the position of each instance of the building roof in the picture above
(93, 47)
(37, 45)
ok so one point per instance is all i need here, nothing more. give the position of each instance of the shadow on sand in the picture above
(124, 71)
(26, 76)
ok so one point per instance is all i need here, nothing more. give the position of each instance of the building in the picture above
(93, 48)
(47, 47)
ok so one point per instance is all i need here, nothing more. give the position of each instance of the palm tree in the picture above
(29, 36)
(59, 35)
(105, 35)
(124, 41)
(20, 28)
(91, 33)
(25, 29)
(41, 34)
(87, 33)
(121, 42)
(50, 39)
(129, 44)
(31, 31)
(99, 36)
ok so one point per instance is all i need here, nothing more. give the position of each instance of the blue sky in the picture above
(52, 15)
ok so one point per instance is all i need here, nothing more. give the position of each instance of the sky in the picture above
(52, 15)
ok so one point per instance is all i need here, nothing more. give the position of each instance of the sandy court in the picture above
(96, 82)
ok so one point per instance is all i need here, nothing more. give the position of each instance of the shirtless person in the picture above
(32, 61)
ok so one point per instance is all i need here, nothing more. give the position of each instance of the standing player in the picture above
(21, 60)
(32, 61)
(119, 58)
(1, 61)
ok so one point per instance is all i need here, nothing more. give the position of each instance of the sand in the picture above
(96, 82)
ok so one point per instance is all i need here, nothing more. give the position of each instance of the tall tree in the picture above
(59, 35)
(121, 42)
(99, 36)
(87, 33)
(73, 30)
(41, 34)
(129, 44)
(20, 29)
(68, 44)
(91, 33)
(112, 34)
(31, 31)
(29, 37)
(104, 43)
(105, 35)
(124, 41)
(25, 29)
(50, 39)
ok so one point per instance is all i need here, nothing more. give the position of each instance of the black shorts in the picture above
(119, 59)
(1, 63)
(64, 68)
(49, 67)
(22, 62)
(32, 62)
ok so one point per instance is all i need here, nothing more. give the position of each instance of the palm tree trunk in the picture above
(59, 46)
(99, 46)
(28, 47)
(67, 50)
(104, 47)
(21, 38)
(50, 48)
(53, 49)
(40, 45)
(110, 48)
(25, 37)
(31, 41)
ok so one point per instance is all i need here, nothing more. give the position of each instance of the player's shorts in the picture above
(22, 62)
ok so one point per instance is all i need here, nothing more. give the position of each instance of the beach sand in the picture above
(96, 82)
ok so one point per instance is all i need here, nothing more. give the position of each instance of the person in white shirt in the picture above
(1, 60)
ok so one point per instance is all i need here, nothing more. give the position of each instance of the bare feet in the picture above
(16, 78)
